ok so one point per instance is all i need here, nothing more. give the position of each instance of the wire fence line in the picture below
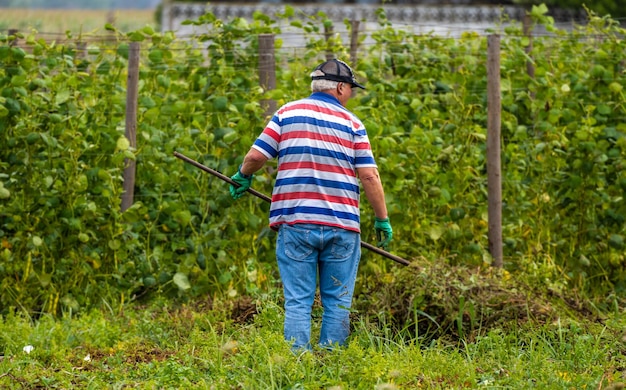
(302, 37)
(97, 38)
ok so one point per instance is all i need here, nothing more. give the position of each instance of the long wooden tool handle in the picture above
(221, 176)
(267, 199)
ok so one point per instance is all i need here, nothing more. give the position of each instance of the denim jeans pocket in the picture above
(344, 245)
(296, 243)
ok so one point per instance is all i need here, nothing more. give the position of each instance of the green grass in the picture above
(163, 346)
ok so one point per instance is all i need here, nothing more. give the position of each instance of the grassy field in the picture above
(57, 21)
(211, 345)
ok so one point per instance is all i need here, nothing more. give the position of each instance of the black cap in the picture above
(335, 70)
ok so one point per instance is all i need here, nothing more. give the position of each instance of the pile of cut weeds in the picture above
(435, 300)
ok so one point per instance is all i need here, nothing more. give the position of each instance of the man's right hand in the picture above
(384, 233)
(244, 182)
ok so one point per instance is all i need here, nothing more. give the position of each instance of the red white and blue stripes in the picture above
(319, 145)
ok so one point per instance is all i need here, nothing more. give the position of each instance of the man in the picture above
(322, 148)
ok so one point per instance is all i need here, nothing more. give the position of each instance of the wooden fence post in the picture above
(81, 49)
(267, 70)
(354, 41)
(131, 123)
(110, 17)
(530, 68)
(13, 31)
(494, 173)
(328, 33)
(168, 9)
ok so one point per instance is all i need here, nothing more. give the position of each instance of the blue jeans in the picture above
(302, 251)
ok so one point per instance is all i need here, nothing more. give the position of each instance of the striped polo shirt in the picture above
(319, 145)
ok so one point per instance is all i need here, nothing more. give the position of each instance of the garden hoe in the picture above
(267, 199)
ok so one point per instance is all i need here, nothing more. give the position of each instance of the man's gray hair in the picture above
(323, 85)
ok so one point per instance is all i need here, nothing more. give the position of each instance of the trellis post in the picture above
(267, 70)
(530, 67)
(494, 174)
(354, 41)
(328, 33)
(132, 88)
(13, 32)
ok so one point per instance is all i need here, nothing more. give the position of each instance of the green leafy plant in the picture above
(66, 246)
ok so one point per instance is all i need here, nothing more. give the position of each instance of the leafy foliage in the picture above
(600, 7)
(65, 244)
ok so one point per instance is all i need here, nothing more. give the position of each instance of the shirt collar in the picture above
(325, 97)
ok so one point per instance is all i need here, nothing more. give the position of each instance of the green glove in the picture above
(384, 233)
(244, 182)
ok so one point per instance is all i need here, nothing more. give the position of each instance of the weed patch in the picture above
(178, 346)
(435, 300)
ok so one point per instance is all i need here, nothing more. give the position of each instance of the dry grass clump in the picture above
(437, 300)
